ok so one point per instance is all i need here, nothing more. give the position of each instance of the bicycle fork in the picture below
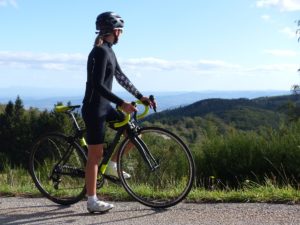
(145, 153)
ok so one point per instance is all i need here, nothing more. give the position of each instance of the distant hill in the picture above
(242, 113)
(166, 100)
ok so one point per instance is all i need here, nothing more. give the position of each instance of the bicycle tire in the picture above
(61, 183)
(171, 182)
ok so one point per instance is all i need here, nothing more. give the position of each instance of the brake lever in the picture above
(152, 99)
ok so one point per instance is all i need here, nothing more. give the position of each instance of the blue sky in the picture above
(177, 45)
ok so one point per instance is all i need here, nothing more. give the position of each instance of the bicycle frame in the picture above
(130, 128)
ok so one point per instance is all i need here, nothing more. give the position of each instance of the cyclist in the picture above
(102, 66)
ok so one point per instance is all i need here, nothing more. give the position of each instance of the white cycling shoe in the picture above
(111, 170)
(99, 206)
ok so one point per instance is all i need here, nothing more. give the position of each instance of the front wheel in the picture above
(161, 167)
(57, 165)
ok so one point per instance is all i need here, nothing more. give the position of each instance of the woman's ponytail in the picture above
(98, 41)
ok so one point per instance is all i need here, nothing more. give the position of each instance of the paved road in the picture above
(41, 211)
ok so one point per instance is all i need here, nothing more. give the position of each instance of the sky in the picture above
(169, 45)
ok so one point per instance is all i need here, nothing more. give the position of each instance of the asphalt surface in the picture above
(16, 210)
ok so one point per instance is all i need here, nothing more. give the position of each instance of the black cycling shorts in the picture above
(95, 118)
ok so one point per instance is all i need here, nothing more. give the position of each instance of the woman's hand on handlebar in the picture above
(131, 107)
(149, 101)
(128, 108)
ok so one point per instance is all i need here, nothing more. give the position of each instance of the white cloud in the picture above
(291, 33)
(266, 17)
(282, 5)
(281, 53)
(211, 67)
(46, 61)
(182, 65)
(273, 68)
(12, 3)
(77, 62)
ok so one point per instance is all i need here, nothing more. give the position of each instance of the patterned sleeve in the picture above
(126, 83)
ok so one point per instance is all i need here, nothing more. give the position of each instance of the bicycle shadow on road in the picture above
(64, 214)
(13, 216)
(120, 218)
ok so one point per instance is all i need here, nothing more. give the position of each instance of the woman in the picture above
(102, 66)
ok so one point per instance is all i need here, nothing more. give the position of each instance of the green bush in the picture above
(237, 156)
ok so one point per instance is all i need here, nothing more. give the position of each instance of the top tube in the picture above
(63, 109)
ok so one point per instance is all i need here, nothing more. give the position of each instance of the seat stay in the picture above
(57, 167)
(66, 155)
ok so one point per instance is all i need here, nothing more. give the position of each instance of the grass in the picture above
(261, 194)
(268, 194)
(17, 182)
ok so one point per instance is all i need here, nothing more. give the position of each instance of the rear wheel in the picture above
(162, 178)
(57, 168)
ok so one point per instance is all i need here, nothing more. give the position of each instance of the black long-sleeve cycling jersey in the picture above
(102, 66)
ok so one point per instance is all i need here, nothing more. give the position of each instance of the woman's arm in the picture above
(126, 83)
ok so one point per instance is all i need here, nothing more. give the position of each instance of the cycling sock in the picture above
(112, 164)
(92, 198)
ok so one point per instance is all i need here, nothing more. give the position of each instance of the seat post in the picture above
(75, 123)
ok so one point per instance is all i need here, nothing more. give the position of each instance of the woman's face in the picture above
(117, 34)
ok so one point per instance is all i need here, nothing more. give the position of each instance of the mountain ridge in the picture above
(242, 113)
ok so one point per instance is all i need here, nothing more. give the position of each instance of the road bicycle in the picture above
(160, 164)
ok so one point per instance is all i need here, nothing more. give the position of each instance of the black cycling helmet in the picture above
(108, 21)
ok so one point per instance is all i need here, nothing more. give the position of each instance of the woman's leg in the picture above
(94, 156)
(93, 203)
(95, 134)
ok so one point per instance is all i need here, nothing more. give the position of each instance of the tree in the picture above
(6, 134)
(296, 88)
(19, 128)
(298, 30)
(9, 109)
(19, 108)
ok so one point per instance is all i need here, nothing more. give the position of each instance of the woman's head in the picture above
(110, 26)
(107, 22)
